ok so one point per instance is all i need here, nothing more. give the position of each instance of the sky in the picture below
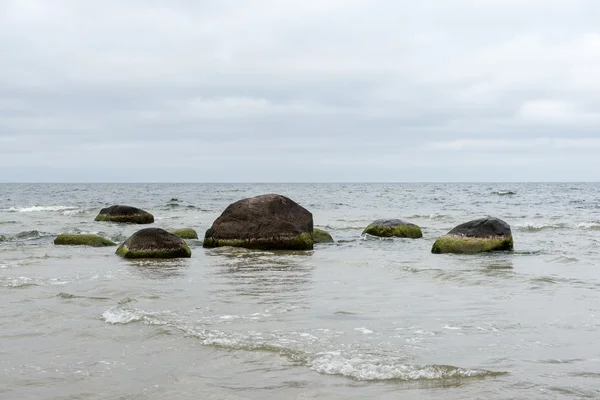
(299, 90)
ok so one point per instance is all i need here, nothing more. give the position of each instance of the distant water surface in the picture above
(360, 318)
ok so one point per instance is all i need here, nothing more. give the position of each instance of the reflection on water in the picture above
(270, 276)
(160, 268)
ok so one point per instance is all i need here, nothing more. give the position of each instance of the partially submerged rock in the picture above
(82, 240)
(185, 233)
(477, 236)
(393, 228)
(267, 222)
(321, 236)
(154, 243)
(125, 214)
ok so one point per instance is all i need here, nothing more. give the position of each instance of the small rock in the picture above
(126, 214)
(185, 233)
(321, 236)
(393, 228)
(82, 240)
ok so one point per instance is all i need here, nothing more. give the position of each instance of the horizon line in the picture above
(282, 182)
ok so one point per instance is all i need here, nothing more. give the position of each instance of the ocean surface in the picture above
(363, 318)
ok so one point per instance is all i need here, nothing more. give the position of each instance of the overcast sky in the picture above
(299, 90)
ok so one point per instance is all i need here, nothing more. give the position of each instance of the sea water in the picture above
(360, 318)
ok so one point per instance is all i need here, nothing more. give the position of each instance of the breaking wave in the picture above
(594, 225)
(536, 227)
(504, 193)
(351, 363)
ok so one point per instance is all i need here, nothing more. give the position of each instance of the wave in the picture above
(24, 236)
(504, 193)
(17, 283)
(536, 227)
(351, 363)
(435, 216)
(593, 226)
(40, 208)
(343, 228)
(368, 368)
(78, 211)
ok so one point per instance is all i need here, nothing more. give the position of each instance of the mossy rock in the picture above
(393, 228)
(303, 241)
(477, 236)
(266, 222)
(185, 233)
(321, 236)
(471, 245)
(125, 214)
(82, 240)
(154, 243)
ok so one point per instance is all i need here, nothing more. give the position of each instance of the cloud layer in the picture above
(299, 90)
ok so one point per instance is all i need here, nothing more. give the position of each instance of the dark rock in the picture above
(82, 240)
(154, 243)
(268, 222)
(321, 236)
(477, 236)
(125, 214)
(393, 227)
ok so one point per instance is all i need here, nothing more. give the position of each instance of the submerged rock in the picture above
(82, 240)
(125, 214)
(267, 222)
(154, 243)
(321, 236)
(185, 233)
(393, 227)
(477, 236)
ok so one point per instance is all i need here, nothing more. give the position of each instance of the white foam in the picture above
(120, 316)
(589, 225)
(363, 330)
(73, 212)
(452, 328)
(362, 367)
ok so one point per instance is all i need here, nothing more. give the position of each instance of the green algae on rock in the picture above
(303, 241)
(393, 228)
(67, 239)
(154, 243)
(321, 236)
(125, 214)
(266, 222)
(185, 233)
(477, 236)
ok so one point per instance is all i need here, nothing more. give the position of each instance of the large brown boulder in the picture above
(477, 236)
(267, 222)
(154, 243)
(125, 214)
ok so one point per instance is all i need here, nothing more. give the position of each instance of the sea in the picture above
(361, 318)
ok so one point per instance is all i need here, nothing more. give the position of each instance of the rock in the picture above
(320, 236)
(393, 227)
(185, 233)
(154, 243)
(127, 214)
(82, 240)
(267, 222)
(478, 236)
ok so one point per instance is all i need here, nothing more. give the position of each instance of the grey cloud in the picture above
(236, 90)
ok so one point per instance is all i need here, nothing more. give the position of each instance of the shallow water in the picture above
(360, 318)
